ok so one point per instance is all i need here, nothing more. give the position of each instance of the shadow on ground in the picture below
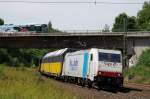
(122, 89)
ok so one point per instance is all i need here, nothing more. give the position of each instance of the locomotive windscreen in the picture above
(109, 57)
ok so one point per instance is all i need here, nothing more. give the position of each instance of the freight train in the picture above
(86, 67)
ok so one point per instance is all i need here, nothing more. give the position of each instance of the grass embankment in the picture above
(141, 72)
(23, 83)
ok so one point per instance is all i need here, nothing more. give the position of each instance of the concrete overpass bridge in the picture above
(133, 43)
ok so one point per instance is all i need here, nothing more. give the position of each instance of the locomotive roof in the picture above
(56, 53)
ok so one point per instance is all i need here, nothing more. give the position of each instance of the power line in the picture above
(67, 2)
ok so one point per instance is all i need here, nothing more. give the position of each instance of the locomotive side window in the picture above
(91, 57)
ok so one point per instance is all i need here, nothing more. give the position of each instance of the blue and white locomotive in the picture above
(100, 66)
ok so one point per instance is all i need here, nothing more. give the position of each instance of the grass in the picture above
(141, 72)
(23, 83)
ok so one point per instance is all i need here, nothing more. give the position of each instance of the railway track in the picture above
(147, 86)
(136, 91)
(129, 91)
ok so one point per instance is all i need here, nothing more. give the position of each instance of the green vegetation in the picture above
(145, 59)
(1, 21)
(22, 57)
(141, 22)
(123, 20)
(143, 17)
(25, 83)
(1, 70)
(141, 72)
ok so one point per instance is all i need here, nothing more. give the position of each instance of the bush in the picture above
(22, 57)
(1, 70)
(14, 62)
(141, 72)
(144, 59)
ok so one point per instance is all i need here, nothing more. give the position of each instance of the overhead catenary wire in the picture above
(74, 2)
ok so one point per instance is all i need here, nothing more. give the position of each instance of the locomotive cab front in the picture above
(110, 68)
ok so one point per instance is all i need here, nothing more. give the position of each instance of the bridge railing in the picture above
(142, 33)
(30, 34)
(95, 32)
(11, 34)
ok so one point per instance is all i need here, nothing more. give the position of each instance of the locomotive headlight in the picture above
(99, 73)
(119, 75)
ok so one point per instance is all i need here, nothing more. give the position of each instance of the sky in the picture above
(68, 16)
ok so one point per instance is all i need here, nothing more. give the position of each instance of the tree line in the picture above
(22, 57)
(141, 22)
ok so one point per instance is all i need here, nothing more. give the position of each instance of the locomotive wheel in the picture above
(83, 83)
(90, 83)
(79, 81)
(66, 79)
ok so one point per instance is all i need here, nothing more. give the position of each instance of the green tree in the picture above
(50, 29)
(119, 23)
(106, 28)
(132, 24)
(123, 22)
(1, 21)
(22, 57)
(143, 17)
